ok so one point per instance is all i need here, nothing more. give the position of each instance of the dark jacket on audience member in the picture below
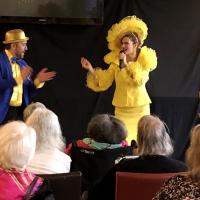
(142, 164)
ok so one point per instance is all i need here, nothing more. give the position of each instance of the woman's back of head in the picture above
(106, 128)
(48, 129)
(30, 109)
(17, 142)
(153, 138)
(193, 154)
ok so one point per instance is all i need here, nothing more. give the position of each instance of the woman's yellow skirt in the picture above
(130, 117)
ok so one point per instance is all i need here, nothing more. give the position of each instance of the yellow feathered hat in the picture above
(127, 24)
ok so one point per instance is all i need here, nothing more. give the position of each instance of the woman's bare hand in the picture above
(86, 65)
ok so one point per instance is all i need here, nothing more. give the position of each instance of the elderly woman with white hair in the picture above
(154, 149)
(17, 142)
(49, 155)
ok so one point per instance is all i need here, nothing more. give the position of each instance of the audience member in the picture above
(154, 149)
(105, 132)
(49, 155)
(185, 186)
(95, 155)
(17, 142)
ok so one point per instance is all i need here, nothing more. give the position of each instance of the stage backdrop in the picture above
(174, 33)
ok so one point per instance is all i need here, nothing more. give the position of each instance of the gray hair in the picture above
(107, 129)
(152, 137)
(30, 108)
(48, 129)
(17, 145)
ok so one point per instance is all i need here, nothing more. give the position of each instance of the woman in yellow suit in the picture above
(129, 65)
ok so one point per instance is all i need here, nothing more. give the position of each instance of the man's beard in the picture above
(20, 55)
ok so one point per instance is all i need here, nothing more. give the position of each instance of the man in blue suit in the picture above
(16, 85)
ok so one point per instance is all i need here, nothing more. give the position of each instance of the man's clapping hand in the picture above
(45, 75)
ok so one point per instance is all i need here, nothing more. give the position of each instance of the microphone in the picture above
(121, 61)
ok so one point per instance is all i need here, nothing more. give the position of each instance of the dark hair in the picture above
(106, 128)
(7, 46)
(133, 37)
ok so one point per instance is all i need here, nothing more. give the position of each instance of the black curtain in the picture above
(173, 87)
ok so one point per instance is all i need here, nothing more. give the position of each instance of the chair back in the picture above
(94, 164)
(62, 186)
(142, 186)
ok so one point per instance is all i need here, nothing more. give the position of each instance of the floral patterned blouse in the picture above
(178, 188)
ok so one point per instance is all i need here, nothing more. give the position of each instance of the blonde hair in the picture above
(48, 130)
(30, 108)
(193, 154)
(17, 145)
(153, 138)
